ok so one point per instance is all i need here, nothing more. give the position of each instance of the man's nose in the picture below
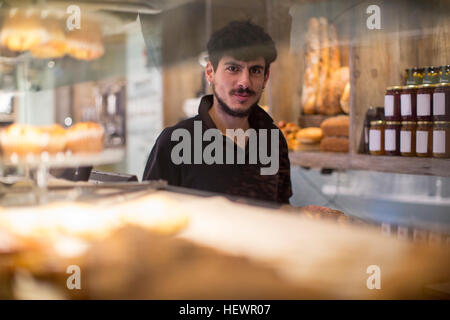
(244, 79)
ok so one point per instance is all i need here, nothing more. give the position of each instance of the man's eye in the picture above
(232, 68)
(255, 71)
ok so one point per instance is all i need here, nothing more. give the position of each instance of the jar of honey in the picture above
(441, 102)
(408, 139)
(441, 139)
(392, 103)
(425, 102)
(376, 137)
(424, 139)
(392, 138)
(444, 74)
(431, 75)
(418, 74)
(408, 103)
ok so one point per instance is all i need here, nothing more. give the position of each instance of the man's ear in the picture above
(209, 72)
(266, 76)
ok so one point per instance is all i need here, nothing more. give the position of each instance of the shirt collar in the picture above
(258, 118)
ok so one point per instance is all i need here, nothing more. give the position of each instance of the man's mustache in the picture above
(241, 91)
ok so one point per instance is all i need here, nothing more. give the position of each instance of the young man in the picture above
(232, 146)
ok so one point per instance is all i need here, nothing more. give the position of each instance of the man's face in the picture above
(238, 84)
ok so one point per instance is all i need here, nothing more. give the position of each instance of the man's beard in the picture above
(225, 108)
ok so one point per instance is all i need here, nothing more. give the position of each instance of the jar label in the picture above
(405, 141)
(402, 233)
(439, 104)
(438, 141)
(422, 141)
(389, 140)
(389, 105)
(405, 101)
(374, 140)
(423, 104)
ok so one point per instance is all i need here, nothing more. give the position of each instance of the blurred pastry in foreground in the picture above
(85, 43)
(85, 137)
(23, 30)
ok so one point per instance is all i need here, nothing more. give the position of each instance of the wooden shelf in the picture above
(346, 161)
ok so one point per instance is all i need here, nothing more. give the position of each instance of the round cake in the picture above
(85, 137)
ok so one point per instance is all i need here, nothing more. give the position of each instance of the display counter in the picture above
(166, 244)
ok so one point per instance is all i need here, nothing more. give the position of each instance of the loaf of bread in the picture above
(309, 135)
(336, 126)
(344, 101)
(324, 66)
(334, 144)
(336, 87)
(312, 60)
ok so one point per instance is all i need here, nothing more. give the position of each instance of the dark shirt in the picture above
(244, 179)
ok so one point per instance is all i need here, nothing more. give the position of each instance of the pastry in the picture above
(22, 140)
(336, 126)
(85, 137)
(23, 30)
(334, 144)
(309, 135)
(311, 76)
(85, 43)
(57, 138)
(55, 47)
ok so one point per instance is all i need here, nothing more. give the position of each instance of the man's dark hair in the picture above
(243, 41)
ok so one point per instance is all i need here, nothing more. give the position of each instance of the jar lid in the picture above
(442, 84)
(393, 122)
(408, 122)
(394, 88)
(424, 122)
(427, 85)
(377, 122)
(442, 122)
(411, 86)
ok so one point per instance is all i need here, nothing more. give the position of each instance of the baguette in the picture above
(335, 54)
(324, 66)
(311, 76)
